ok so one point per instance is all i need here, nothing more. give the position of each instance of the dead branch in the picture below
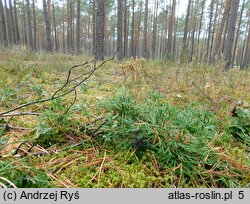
(66, 112)
(19, 114)
(69, 75)
(54, 95)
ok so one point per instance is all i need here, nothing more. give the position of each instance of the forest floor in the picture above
(134, 124)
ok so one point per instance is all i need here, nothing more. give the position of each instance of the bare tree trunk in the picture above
(199, 48)
(209, 31)
(119, 29)
(78, 28)
(193, 27)
(170, 30)
(69, 26)
(63, 28)
(34, 26)
(24, 33)
(126, 22)
(3, 25)
(99, 42)
(217, 52)
(55, 30)
(246, 58)
(11, 20)
(145, 33)
(174, 26)
(16, 23)
(133, 29)
(94, 25)
(7, 23)
(244, 46)
(138, 30)
(30, 37)
(154, 29)
(184, 41)
(230, 34)
(47, 27)
(213, 33)
(237, 33)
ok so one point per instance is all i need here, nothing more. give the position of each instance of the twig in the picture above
(5, 126)
(91, 72)
(20, 114)
(68, 77)
(19, 147)
(14, 128)
(98, 128)
(94, 121)
(66, 112)
(100, 170)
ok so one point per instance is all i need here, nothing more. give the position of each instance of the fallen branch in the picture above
(20, 114)
(54, 95)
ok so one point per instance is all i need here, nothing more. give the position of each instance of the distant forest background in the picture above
(209, 31)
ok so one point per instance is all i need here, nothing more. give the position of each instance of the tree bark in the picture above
(133, 30)
(217, 52)
(34, 26)
(154, 29)
(126, 22)
(145, 32)
(246, 58)
(16, 23)
(55, 30)
(237, 33)
(99, 42)
(3, 25)
(47, 27)
(230, 34)
(210, 31)
(184, 41)
(119, 29)
(78, 28)
(30, 37)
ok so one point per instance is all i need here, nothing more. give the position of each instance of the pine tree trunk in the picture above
(94, 25)
(11, 19)
(119, 29)
(209, 31)
(213, 34)
(237, 33)
(126, 22)
(34, 26)
(47, 27)
(133, 29)
(16, 23)
(246, 58)
(63, 28)
(174, 26)
(217, 52)
(145, 33)
(155, 29)
(230, 34)
(54, 25)
(78, 28)
(184, 41)
(99, 42)
(170, 30)
(3, 25)
(199, 31)
(30, 37)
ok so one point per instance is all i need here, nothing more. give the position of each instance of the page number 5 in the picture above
(241, 195)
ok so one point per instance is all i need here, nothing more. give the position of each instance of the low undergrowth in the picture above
(185, 140)
(147, 125)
